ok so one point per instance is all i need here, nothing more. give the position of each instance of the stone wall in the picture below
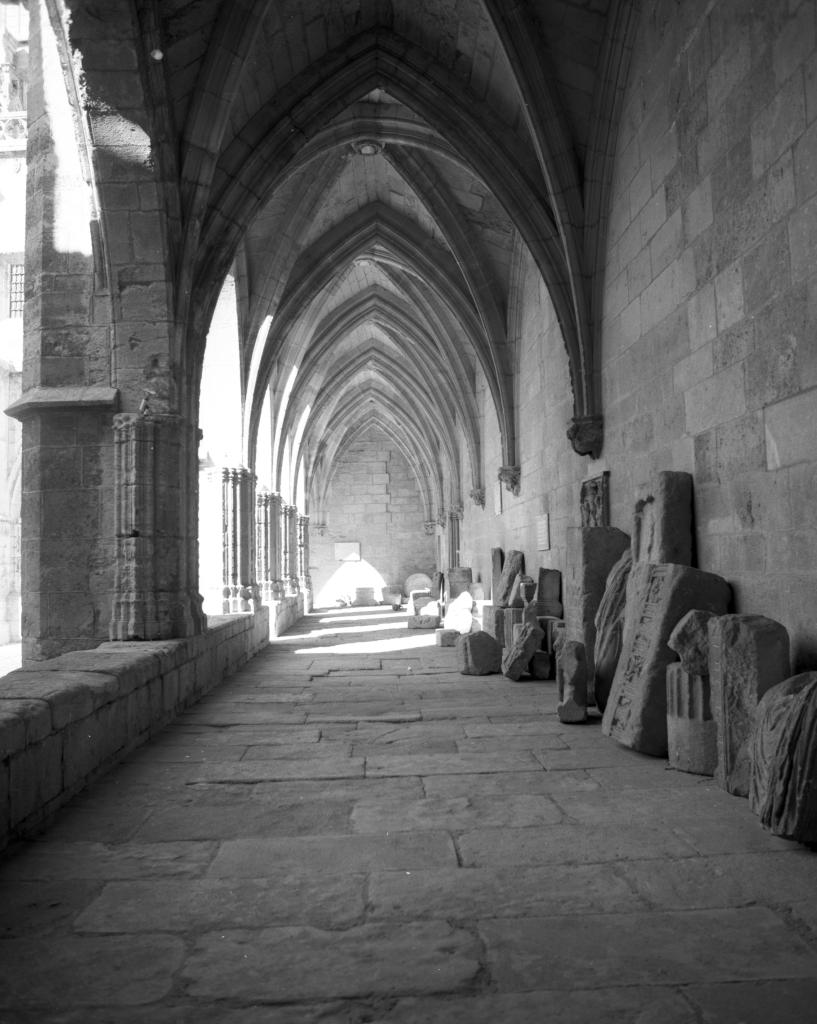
(708, 360)
(73, 717)
(373, 499)
(9, 509)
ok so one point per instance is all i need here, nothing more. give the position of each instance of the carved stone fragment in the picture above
(446, 637)
(514, 564)
(423, 622)
(657, 597)
(571, 679)
(518, 657)
(591, 554)
(690, 641)
(594, 501)
(497, 561)
(692, 738)
(783, 787)
(662, 526)
(748, 655)
(478, 654)
(459, 580)
(437, 584)
(510, 617)
(541, 665)
(609, 629)
(549, 593)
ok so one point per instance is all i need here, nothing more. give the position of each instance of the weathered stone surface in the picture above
(657, 597)
(478, 654)
(690, 641)
(541, 665)
(458, 615)
(549, 593)
(417, 581)
(516, 659)
(447, 637)
(513, 565)
(591, 554)
(497, 562)
(477, 591)
(437, 584)
(423, 621)
(493, 622)
(510, 617)
(419, 599)
(609, 629)
(364, 597)
(571, 679)
(783, 784)
(459, 580)
(692, 738)
(662, 525)
(748, 655)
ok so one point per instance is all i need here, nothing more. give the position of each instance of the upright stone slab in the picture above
(510, 617)
(549, 593)
(571, 679)
(662, 524)
(478, 654)
(514, 565)
(591, 554)
(493, 621)
(690, 641)
(437, 584)
(519, 655)
(418, 599)
(783, 787)
(497, 562)
(609, 629)
(748, 655)
(459, 580)
(518, 591)
(692, 738)
(657, 597)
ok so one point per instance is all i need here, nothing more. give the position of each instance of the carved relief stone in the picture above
(478, 496)
(609, 629)
(662, 524)
(586, 434)
(595, 501)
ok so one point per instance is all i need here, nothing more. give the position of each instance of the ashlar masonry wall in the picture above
(708, 354)
(373, 499)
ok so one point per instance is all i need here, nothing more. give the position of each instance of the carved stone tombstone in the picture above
(783, 786)
(591, 554)
(662, 524)
(657, 598)
(748, 655)
(549, 593)
(609, 629)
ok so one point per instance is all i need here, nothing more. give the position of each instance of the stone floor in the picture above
(351, 831)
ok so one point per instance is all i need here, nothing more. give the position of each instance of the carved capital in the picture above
(478, 496)
(320, 529)
(511, 477)
(430, 526)
(586, 434)
(441, 516)
(456, 512)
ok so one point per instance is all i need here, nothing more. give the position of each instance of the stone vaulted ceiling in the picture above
(372, 172)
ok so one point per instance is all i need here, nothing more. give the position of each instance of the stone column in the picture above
(238, 506)
(263, 573)
(155, 558)
(276, 546)
(454, 517)
(291, 524)
(303, 554)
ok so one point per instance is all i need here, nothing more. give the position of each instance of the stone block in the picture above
(690, 641)
(783, 784)
(510, 617)
(518, 657)
(541, 665)
(419, 599)
(364, 598)
(692, 738)
(591, 554)
(609, 629)
(657, 597)
(571, 680)
(549, 593)
(748, 655)
(446, 637)
(662, 524)
(497, 561)
(478, 654)
(514, 565)
(423, 622)
(35, 778)
(437, 584)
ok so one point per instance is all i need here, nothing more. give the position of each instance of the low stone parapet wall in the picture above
(68, 720)
(285, 612)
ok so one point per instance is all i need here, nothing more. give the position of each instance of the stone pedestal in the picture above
(657, 597)
(692, 737)
(748, 655)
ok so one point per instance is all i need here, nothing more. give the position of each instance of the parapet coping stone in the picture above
(91, 395)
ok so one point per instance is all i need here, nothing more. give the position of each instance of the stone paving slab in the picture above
(450, 764)
(457, 814)
(670, 948)
(508, 783)
(56, 860)
(279, 965)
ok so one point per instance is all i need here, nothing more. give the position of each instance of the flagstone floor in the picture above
(351, 831)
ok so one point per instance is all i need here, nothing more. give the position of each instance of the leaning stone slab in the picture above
(446, 637)
(783, 786)
(591, 554)
(518, 657)
(571, 679)
(511, 617)
(609, 629)
(513, 566)
(549, 593)
(690, 641)
(692, 737)
(662, 526)
(523, 590)
(657, 597)
(478, 654)
(423, 622)
(497, 561)
(748, 655)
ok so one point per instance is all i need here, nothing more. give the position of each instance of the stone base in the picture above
(423, 622)
(447, 637)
